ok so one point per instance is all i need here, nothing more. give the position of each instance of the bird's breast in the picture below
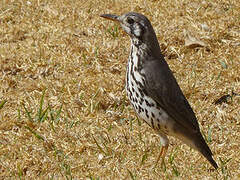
(143, 104)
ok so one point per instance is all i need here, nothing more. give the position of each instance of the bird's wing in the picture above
(162, 86)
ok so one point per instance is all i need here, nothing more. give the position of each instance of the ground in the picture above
(63, 108)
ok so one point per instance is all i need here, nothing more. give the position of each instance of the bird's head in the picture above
(137, 26)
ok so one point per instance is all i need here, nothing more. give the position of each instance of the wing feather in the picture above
(162, 86)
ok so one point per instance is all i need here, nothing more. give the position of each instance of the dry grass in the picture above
(84, 127)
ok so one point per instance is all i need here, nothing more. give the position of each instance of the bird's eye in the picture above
(130, 20)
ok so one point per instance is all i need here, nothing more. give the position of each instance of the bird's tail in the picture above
(203, 148)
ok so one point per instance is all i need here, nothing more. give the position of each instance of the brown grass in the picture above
(89, 129)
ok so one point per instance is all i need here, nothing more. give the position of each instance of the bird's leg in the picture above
(165, 142)
(162, 154)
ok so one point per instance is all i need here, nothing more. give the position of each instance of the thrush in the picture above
(153, 90)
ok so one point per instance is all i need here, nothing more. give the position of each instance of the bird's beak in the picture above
(111, 17)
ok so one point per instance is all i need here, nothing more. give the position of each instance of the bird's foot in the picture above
(162, 155)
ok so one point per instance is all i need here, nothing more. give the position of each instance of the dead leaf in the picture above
(192, 42)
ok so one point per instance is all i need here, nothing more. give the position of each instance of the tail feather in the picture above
(205, 151)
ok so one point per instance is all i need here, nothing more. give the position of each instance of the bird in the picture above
(153, 90)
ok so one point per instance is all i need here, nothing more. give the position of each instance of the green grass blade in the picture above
(34, 133)
(131, 175)
(209, 138)
(41, 106)
(223, 64)
(19, 114)
(99, 147)
(43, 116)
(2, 104)
(58, 113)
(51, 118)
(144, 157)
(28, 113)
